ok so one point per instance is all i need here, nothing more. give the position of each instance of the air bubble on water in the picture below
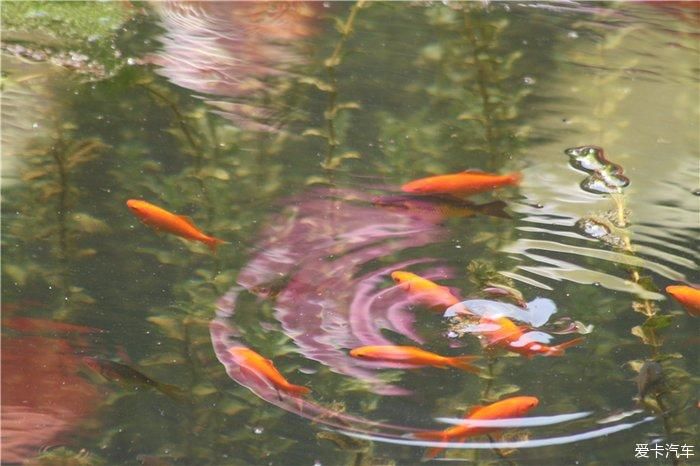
(572, 35)
(529, 80)
(696, 192)
(326, 4)
(597, 185)
(586, 158)
(35, 125)
(592, 228)
(258, 430)
(130, 61)
(318, 463)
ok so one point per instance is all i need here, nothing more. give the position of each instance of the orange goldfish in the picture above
(264, 368)
(688, 297)
(516, 406)
(179, 225)
(464, 183)
(413, 355)
(509, 337)
(430, 294)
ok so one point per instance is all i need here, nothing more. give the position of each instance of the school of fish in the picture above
(442, 195)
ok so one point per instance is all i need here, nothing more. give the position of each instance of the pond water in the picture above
(287, 130)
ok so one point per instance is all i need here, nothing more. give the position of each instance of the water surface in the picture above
(287, 130)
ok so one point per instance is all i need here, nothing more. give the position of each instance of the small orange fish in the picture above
(688, 297)
(179, 225)
(413, 355)
(463, 184)
(428, 293)
(509, 336)
(516, 406)
(264, 368)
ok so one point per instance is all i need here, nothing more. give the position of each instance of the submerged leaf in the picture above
(657, 322)
(163, 358)
(89, 224)
(171, 327)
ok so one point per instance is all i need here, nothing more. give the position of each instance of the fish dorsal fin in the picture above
(186, 219)
(473, 410)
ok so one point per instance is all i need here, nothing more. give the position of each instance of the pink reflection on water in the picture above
(230, 49)
(224, 336)
(317, 262)
(43, 396)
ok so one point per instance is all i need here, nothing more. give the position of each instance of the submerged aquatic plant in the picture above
(333, 132)
(660, 381)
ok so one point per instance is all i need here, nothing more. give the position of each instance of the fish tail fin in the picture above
(515, 178)
(558, 350)
(430, 435)
(431, 453)
(494, 209)
(297, 389)
(213, 243)
(464, 363)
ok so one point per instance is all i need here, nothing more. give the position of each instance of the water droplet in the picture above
(258, 430)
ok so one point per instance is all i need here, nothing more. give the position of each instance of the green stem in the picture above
(481, 81)
(331, 64)
(61, 214)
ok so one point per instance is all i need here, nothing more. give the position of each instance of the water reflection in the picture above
(533, 443)
(230, 50)
(43, 395)
(315, 265)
